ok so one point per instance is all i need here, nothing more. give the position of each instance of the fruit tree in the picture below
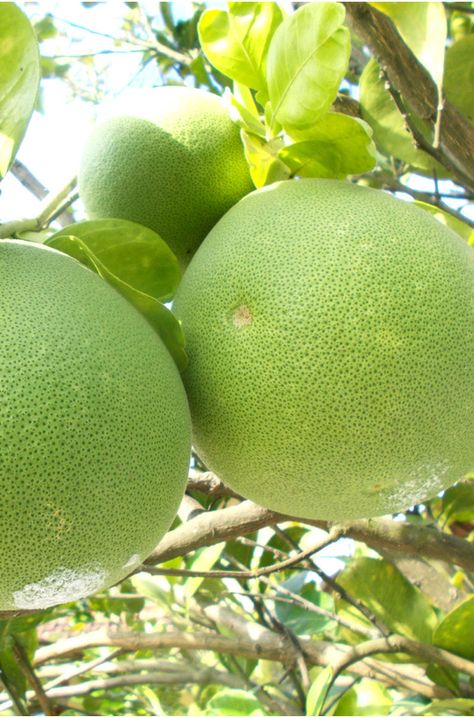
(237, 375)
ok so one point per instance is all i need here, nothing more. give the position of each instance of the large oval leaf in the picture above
(307, 59)
(456, 632)
(236, 42)
(130, 251)
(19, 80)
(337, 145)
(390, 596)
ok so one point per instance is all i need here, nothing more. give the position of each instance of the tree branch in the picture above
(414, 82)
(226, 524)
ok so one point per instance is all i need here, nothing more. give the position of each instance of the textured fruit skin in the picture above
(95, 431)
(330, 333)
(176, 166)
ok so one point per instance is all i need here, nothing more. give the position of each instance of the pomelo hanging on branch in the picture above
(330, 334)
(95, 438)
(170, 159)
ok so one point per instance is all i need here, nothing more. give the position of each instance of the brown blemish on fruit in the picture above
(242, 316)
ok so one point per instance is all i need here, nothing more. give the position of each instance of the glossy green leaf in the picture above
(459, 75)
(390, 596)
(318, 691)
(339, 145)
(458, 226)
(307, 59)
(236, 42)
(365, 698)
(423, 27)
(456, 631)
(264, 164)
(390, 132)
(203, 561)
(230, 703)
(133, 253)
(19, 80)
(10, 668)
(298, 619)
(159, 316)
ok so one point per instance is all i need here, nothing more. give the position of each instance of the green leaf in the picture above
(456, 706)
(318, 691)
(307, 59)
(423, 27)
(458, 226)
(204, 560)
(366, 698)
(236, 42)
(135, 254)
(244, 112)
(390, 596)
(229, 702)
(10, 670)
(159, 316)
(390, 132)
(264, 164)
(456, 631)
(19, 80)
(298, 619)
(339, 145)
(458, 75)
(457, 503)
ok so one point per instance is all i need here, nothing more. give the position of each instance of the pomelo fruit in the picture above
(95, 431)
(173, 161)
(330, 334)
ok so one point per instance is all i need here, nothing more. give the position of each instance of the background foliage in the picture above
(249, 612)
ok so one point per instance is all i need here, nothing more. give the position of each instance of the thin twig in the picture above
(28, 672)
(332, 536)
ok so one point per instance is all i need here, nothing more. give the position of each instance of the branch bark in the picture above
(225, 524)
(414, 82)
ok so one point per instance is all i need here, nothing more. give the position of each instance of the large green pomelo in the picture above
(173, 161)
(95, 431)
(330, 333)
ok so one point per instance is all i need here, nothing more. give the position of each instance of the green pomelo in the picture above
(95, 431)
(330, 333)
(173, 162)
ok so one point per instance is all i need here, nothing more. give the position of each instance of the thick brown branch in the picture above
(217, 526)
(409, 77)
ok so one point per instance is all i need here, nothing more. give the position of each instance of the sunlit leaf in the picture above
(455, 706)
(338, 145)
(459, 75)
(307, 59)
(365, 698)
(19, 80)
(456, 631)
(244, 112)
(264, 164)
(236, 42)
(130, 251)
(423, 27)
(390, 596)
